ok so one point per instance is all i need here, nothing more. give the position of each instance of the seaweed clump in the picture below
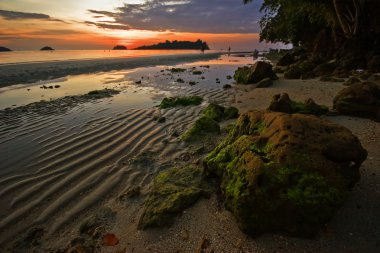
(180, 101)
(285, 173)
(208, 122)
(173, 191)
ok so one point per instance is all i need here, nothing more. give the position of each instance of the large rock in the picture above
(254, 74)
(285, 172)
(283, 103)
(286, 60)
(300, 69)
(361, 100)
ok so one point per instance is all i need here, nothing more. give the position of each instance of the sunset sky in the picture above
(101, 24)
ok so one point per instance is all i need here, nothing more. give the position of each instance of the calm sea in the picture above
(62, 55)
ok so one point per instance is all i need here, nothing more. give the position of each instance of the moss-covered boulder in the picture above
(208, 122)
(180, 101)
(220, 113)
(299, 69)
(285, 173)
(361, 100)
(173, 191)
(283, 103)
(254, 74)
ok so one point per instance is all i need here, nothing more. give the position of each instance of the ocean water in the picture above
(16, 57)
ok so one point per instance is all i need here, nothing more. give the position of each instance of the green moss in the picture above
(180, 101)
(220, 113)
(208, 122)
(257, 128)
(173, 191)
(201, 127)
(314, 109)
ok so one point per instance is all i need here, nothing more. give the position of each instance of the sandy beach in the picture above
(68, 164)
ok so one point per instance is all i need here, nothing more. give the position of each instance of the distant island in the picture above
(47, 49)
(120, 47)
(5, 49)
(187, 45)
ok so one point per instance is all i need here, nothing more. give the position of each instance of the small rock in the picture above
(110, 240)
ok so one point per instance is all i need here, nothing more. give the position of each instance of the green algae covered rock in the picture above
(285, 173)
(180, 101)
(254, 74)
(361, 100)
(208, 122)
(282, 103)
(173, 191)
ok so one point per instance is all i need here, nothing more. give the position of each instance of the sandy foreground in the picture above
(59, 170)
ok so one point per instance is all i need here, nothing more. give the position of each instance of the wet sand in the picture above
(60, 170)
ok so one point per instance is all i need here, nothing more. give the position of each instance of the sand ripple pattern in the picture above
(67, 165)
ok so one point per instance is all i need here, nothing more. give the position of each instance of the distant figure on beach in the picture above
(229, 51)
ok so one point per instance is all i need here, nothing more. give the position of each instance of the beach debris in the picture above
(170, 102)
(283, 103)
(173, 191)
(361, 100)
(255, 73)
(110, 240)
(265, 83)
(285, 173)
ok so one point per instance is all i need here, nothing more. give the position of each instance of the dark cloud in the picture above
(108, 25)
(209, 16)
(16, 15)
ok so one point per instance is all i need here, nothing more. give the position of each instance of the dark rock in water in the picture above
(282, 103)
(192, 83)
(361, 100)
(119, 47)
(297, 70)
(286, 60)
(265, 83)
(47, 49)
(229, 77)
(351, 81)
(5, 49)
(331, 79)
(255, 73)
(286, 173)
(173, 191)
(180, 80)
(138, 82)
